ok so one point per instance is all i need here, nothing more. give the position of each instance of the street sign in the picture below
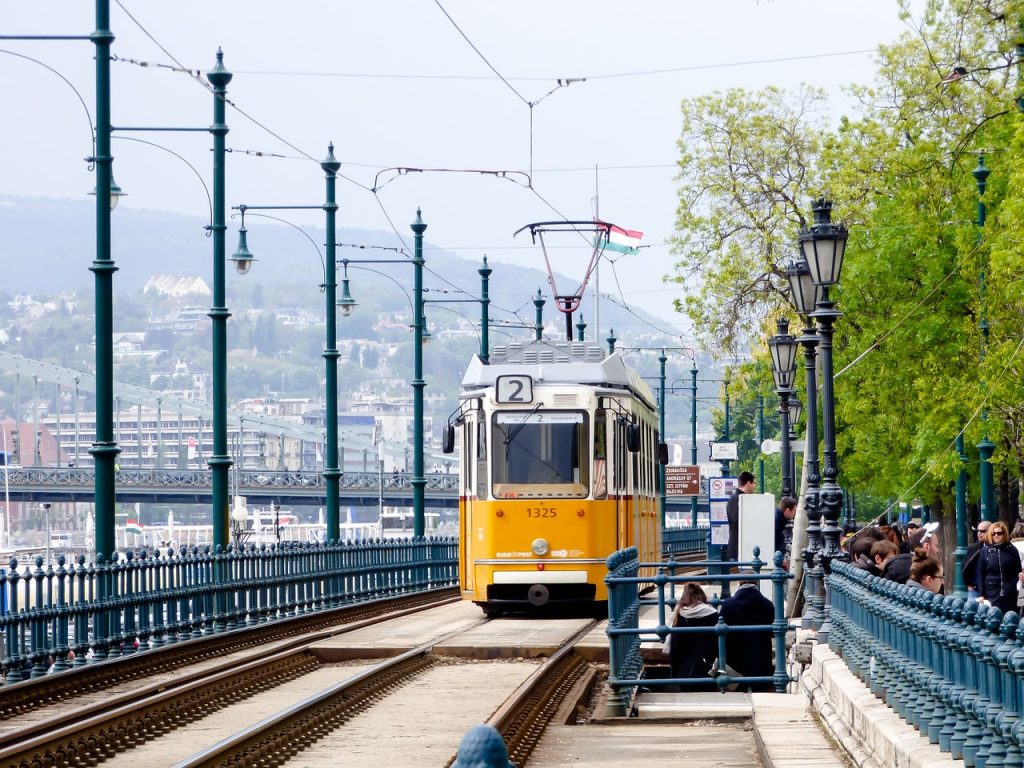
(682, 480)
(724, 451)
(770, 446)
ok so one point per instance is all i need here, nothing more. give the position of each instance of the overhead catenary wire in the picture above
(197, 76)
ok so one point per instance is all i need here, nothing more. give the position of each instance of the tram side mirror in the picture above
(633, 437)
(448, 439)
(663, 453)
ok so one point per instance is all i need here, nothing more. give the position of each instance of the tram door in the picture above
(468, 464)
(621, 486)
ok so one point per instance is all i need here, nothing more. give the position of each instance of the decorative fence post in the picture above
(624, 659)
(952, 668)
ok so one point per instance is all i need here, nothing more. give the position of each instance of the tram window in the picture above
(536, 454)
(600, 454)
(481, 459)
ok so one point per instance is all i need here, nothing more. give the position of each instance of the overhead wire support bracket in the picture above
(568, 303)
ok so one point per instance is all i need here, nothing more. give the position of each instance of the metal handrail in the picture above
(626, 577)
(80, 613)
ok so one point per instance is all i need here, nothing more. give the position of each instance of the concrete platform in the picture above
(647, 745)
(788, 735)
(511, 638)
(391, 638)
(676, 707)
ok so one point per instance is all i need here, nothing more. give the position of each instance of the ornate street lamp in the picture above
(783, 350)
(824, 246)
(806, 295)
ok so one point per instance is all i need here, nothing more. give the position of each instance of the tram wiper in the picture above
(512, 435)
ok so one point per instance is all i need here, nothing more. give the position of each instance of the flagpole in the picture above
(597, 266)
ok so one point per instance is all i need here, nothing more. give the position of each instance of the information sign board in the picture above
(682, 480)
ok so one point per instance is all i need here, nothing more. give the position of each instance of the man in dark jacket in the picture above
(785, 512)
(749, 653)
(744, 484)
(970, 567)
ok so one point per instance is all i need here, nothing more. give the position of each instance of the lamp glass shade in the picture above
(823, 245)
(824, 254)
(346, 303)
(795, 409)
(783, 350)
(116, 193)
(242, 258)
(806, 294)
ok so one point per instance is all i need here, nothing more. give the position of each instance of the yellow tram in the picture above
(559, 452)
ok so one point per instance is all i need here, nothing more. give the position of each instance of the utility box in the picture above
(757, 528)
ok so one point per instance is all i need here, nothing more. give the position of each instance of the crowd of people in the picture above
(992, 568)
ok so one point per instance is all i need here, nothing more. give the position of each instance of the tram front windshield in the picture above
(540, 453)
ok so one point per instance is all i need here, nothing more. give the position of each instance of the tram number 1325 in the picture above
(541, 512)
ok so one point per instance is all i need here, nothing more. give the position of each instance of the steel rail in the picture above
(273, 740)
(31, 695)
(100, 730)
(521, 720)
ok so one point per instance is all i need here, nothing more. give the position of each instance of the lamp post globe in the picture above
(242, 258)
(346, 304)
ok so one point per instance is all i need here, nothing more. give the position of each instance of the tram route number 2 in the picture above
(541, 512)
(514, 389)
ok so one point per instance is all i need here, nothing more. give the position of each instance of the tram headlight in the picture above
(540, 547)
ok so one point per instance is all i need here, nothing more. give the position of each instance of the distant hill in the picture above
(49, 243)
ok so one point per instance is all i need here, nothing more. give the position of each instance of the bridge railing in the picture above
(952, 668)
(82, 612)
(684, 541)
(249, 478)
(628, 579)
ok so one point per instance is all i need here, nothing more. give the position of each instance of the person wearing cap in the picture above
(999, 569)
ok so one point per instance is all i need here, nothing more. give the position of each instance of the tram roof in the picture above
(557, 361)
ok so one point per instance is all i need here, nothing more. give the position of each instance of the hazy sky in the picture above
(393, 83)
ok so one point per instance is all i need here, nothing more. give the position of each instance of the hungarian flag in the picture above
(133, 526)
(622, 240)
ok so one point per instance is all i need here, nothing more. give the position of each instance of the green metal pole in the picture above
(219, 461)
(959, 587)
(538, 323)
(485, 312)
(725, 437)
(331, 472)
(418, 481)
(693, 436)
(986, 447)
(661, 433)
(760, 439)
(611, 341)
(105, 449)
(581, 328)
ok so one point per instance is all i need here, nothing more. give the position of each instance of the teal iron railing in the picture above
(952, 668)
(684, 541)
(625, 635)
(76, 613)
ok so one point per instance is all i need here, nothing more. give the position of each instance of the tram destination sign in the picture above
(682, 480)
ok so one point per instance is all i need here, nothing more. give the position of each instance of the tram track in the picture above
(324, 698)
(26, 697)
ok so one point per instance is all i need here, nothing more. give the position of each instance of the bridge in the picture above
(192, 486)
